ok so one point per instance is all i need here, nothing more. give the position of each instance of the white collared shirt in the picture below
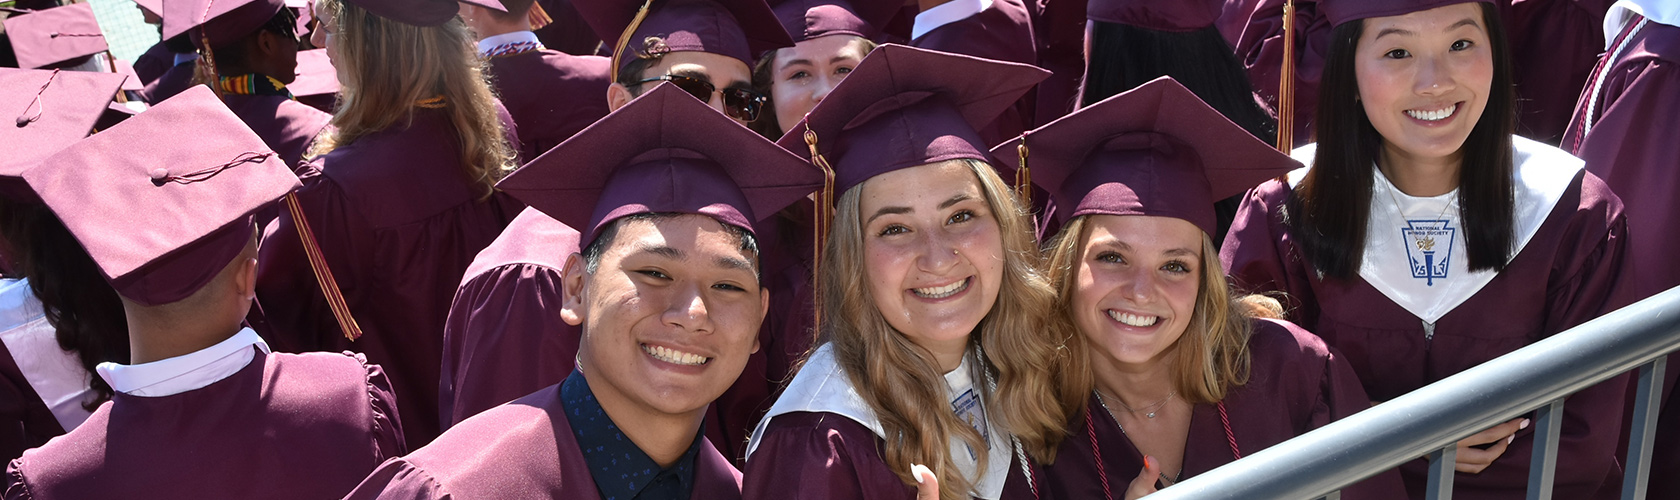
(187, 372)
(55, 374)
(946, 13)
(489, 43)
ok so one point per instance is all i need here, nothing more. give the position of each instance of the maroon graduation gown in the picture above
(568, 32)
(504, 337)
(551, 95)
(524, 449)
(285, 426)
(821, 455)
(1255, 30)
(173, 81)
(1554, 45)
(1002, 32)
(398, 224)
(285, 125)
(1059, 28)
(1631, 146)
(153, 63)
(1570, 271)
(1296, 384)
(25, 421)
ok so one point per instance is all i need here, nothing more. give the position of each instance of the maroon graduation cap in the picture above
(316, 75)
(161, 217)
(807, 19)
(221, 21)
(742, 29)
(45, 111)
(1341, 11)
(903, 107)
(664, 152)
(422, 12)
(1154, 150)
(1175, 15)
(49, 37)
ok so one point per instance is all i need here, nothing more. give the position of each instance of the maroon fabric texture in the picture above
(742, 29)
(568, 33)
(551, 95)
(48, 37)
(151, 64)
(807, 19)
(1572, 270)
(1154, 150)
(524, 449)
(162, 218)
(317, 81)
(504, 338)
(25, 421)
(904, 106)
(287, 126)
(1255, 30)
(1296, 384)
(398, 224)
(664, 152)
(1631, 146)
(1177, 16)
(1001, 33)
(1058, 26)
(285, 426)
(820, 456)
(222, 21)
(52, 111)
(1554, 45)
(1341, 11)
(174, 81)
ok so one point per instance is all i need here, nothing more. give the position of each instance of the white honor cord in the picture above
(1598, 82)
(1020, 453)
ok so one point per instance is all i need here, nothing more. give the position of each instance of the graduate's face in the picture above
(669, 316)
(1424, 79)
(723, 72)
(802, 75)
(1135, 286)
(933, 253)
(322, 37)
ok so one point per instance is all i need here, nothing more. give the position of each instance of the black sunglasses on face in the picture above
(741, 104)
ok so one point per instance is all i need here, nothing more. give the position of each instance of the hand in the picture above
(927, 484)
(1473, 459)
(1144, 484)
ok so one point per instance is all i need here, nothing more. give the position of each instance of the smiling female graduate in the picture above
(1184, 378)
(1424, 238)
(401, 194)
(667, 293)
(203, 409)
(931, 349)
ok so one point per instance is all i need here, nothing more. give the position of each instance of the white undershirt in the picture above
(55, 374)
(187, 372)
(946, 13)
(1658, 11)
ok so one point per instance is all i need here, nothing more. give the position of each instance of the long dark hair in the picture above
(1328, 211)
(78, 302)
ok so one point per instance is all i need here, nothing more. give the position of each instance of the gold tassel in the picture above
(824, 218)
(624, 38)
(537, 16)
(205, 70)
(323, 275)
(1023, 176)
(1286, 83)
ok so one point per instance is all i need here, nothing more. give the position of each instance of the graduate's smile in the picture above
(1136, 284)
(675, 356)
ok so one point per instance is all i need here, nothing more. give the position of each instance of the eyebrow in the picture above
(905, 210)
(735, 264)
(663, 251)
(955, 200)
(807, 62)
(1176, 252)
(1397, 31)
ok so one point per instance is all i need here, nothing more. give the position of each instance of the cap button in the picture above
(160, 176)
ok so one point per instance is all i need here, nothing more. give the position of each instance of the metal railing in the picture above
(1432, 419)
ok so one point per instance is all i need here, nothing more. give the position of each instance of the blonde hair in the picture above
(1213, 352)
(904, 386)
(389, 67)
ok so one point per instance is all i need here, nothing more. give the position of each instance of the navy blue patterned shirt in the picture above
(620, 469)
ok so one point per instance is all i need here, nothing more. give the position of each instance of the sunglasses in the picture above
(740, 104)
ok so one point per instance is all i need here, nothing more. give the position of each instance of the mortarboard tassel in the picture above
(537, 16)
(1286, 83)
(624, 38)
(1023, 177)
(824, 218)
(323, 274)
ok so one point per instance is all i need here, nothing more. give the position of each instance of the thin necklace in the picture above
(1425, 243)
(1151, 408)
(1392, 188)
(1168, 481)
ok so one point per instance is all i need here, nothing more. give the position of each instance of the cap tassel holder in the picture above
(538, 17)
(37, 104)
(1023, 176)
(323, 274)
(624, 38)
(824, 218)
(1286, 83)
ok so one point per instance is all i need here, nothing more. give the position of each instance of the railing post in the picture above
(1542, 464)
(1645, 408)
(1442, 465)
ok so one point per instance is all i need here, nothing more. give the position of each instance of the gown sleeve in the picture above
(292, 313)
(818, 456)
(1260, 257)
(16, 487)
(398, 479)
(504, 339)
(388, 441)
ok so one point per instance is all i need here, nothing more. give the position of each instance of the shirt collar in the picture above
(17, 304)
(620, 469)
(185, 57)
(491, 46)
(187, 372)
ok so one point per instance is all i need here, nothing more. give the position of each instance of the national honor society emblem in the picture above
(1429, 248)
